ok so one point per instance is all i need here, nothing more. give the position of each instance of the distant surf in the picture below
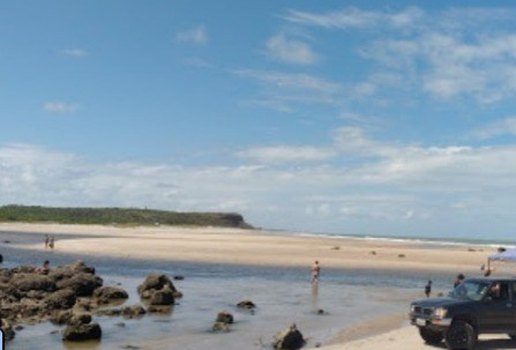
(427, 241)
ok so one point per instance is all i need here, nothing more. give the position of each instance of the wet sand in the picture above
(407, 337)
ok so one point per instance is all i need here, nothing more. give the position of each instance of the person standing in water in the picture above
(51, 242)
(428, 289)
(316, 272)
(47, 240)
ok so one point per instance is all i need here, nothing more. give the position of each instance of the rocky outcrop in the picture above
(81, 332)
(7, 329)
(26, 295)
(158, 290)
(164, 296)
(25, 282)
(246, 304)
(106, 295)
(83, 283)
(224, 317)
(61, 300)
(289, 339)
(222, 322)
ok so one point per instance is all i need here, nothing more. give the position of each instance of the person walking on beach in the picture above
(315, 272)
(47, 240)
(428, 289)
(459, 280)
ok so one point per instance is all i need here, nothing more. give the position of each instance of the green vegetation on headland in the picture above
(117, 216)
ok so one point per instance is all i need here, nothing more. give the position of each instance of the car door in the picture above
(496, 311)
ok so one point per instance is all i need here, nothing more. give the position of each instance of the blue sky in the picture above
(304, 115)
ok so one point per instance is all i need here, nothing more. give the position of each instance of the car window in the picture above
(499, 291)
(471, 290)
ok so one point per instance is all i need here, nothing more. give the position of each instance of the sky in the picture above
(348, 117)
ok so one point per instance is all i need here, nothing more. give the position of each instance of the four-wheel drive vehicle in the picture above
(478, 305)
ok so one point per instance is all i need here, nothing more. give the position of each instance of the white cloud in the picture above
(505, 126)
(286, 91)
(289, 50)
(447, 65)
(353, 17)
(364, 195)
(59, 107)
(287, 154)
(456, 53)
(195, 35)
(75, 52)
(297, 81)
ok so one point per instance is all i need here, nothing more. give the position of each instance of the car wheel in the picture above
(461, 335)
(430, 336)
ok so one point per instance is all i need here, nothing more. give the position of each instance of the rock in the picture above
(320, 312)
(162, 297)
(79, 319)
(108, 312)
(83, 284)
(372, 252)
(61, 317)
(62, 299)
(155, 281)
(68, 271)
(289, 339)
(18, 327)
(178, 278)
(25, 282)
(81, 332)
(220, 327)
(120, 324)
(401, 256)
(501, 249)
(224, 317)
(246, 304)
(1, 258)
(131, 347)
(106, 295)
(7, 329)
(133, 311)
(162, 309)
(36, 294)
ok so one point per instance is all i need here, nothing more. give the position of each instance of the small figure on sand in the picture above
(428, 289)
(44, 269)
(51, 243)
(315, 272)
(487, 270)
(47, 240)
(458, 281)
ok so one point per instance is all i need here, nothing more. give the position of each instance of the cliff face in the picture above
(130, 216)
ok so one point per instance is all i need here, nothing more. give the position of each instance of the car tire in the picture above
(460, 335)
(430, 336)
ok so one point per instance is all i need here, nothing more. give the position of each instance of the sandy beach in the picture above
(253, 247)
(269, 248)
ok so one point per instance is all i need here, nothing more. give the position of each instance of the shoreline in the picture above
(243, 247)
